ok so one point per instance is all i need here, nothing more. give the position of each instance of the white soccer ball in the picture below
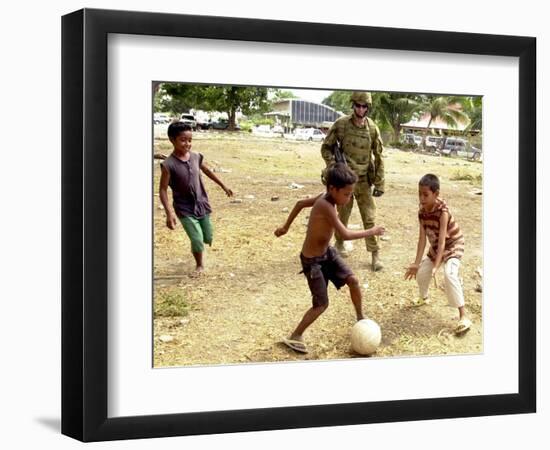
(365, 337)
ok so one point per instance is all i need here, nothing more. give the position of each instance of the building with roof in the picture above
(437, 127)
(296, 113)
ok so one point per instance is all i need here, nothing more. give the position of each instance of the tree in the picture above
(448, 109)
(473, 108)
(231, 99)
(279, 94)
(179, 97)
(391, 110)
(339, 101)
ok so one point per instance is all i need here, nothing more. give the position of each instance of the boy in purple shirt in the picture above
(181, 171)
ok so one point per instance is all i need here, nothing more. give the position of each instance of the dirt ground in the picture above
(251, 295)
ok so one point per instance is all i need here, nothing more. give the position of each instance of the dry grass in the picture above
(252, 295)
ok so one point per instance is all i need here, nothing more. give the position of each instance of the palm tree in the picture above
(393, 109)
(448, 109)
(473, 107)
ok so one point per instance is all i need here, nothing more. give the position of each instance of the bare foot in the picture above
(199, 270)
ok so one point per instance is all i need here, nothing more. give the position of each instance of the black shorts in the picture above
(320, 269)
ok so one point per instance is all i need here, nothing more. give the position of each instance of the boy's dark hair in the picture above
(340, 175)
(175, 128)
(430, 180)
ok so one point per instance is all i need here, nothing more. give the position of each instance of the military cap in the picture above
(362, 98)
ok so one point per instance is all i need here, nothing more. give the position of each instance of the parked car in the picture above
(204, 124)
(223, 124)
(161, 118)
(460, 147)
(262, 130)
(190, 120)
(412, 139)
(434, 142)
(309, 134)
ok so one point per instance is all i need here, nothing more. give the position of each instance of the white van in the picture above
(462, 148)
(309, 134)
(190, 120)
(161, 118)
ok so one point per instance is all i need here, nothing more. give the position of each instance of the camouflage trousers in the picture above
(362, 195)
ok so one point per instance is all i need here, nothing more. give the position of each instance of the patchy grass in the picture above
(170, 302)
(473, 178)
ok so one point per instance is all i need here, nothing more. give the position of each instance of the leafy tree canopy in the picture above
(340, 101)
(279, 94)
(178, 97)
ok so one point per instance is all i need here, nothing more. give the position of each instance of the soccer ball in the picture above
(365, 337)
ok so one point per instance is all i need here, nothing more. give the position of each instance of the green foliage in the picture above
(459, 175)
(390, 110)
(340, 101)
(395, 144)
(169, 302)
(180, 97)
(448, 109)
(279, 94)
(246, 125)
(401, 145)
(259, 119)
(230, 99)
(254, 121)
(473, 108)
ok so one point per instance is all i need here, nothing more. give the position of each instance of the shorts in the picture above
(320, 269)
(199, 231)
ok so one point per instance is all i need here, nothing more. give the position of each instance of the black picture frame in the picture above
(84, 224)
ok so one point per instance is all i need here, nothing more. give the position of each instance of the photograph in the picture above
(306, 224)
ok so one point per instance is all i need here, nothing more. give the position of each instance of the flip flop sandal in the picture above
(463, 326)
(297, 346)
(420, 301)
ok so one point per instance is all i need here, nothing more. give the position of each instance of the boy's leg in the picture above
(199, 266)
(356, 297)
(194, 231)
(367, 209)
(318, 287)
(453, 286)
(310, 316)
(455, 294)
(207, 229)
(424, 277)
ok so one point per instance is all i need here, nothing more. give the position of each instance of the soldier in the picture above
(359, 139)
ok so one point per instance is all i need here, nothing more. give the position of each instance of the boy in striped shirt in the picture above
(439, 228)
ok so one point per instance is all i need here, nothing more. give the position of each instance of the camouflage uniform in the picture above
(362, 149)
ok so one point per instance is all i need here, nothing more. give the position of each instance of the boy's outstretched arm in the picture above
(347, 234)
(300, 204)
(216, 180)
(163, 194)
(413, 268)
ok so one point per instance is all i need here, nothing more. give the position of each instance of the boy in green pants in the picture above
(181, 171)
